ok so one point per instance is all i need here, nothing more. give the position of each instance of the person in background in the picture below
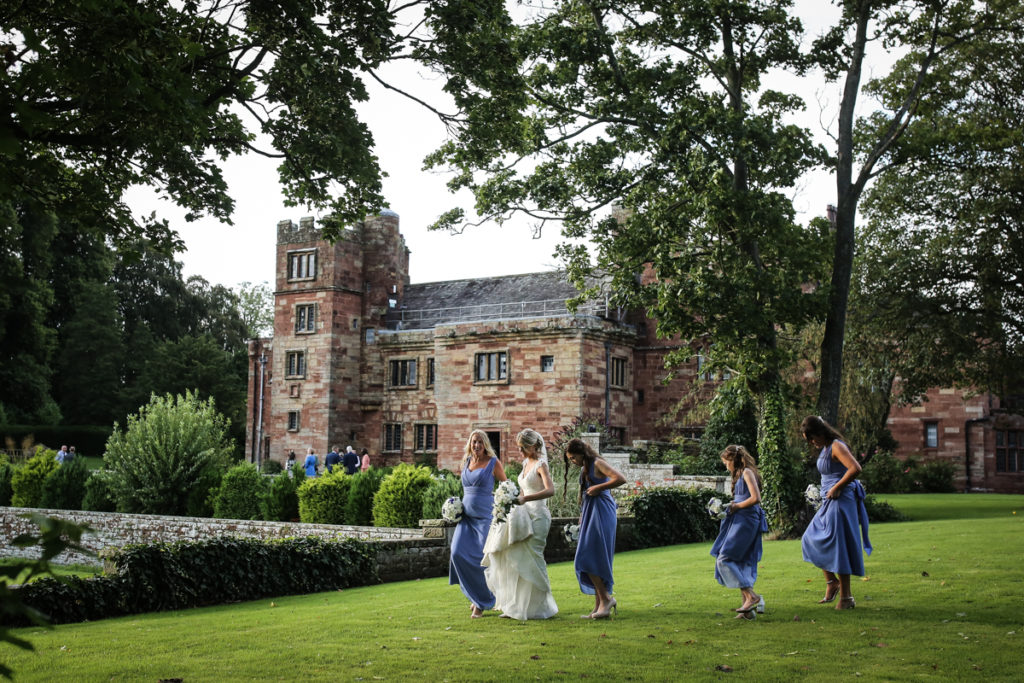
(310, 463)
(61, 455)
(331, 459)
(350, 461)
(289, 463)
(364, 460)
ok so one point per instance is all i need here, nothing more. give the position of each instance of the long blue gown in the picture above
(833, 541)
(596, 545)
(468, 542)
(737, 550)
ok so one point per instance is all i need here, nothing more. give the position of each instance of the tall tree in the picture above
(930, 32)
(664, 111)
(256, 304)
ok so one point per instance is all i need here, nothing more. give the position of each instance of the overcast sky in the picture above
(404, 134)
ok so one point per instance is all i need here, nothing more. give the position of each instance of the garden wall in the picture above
(404, 553)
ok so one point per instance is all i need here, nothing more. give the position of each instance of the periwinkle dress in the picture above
(596, 546)
(833, 540)
(470, 534)
(737, 550)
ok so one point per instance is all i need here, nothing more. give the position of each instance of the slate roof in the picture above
(494, 298)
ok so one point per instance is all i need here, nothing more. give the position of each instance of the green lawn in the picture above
(941, 602)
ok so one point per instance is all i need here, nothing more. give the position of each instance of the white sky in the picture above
(404, 134)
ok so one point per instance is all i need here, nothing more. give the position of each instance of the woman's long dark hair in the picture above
(578, 447)
(816, 426)
(741, 459)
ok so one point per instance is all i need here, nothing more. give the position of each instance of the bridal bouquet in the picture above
(813, 496)
(571, 533)
(505, 496)
(451, 511)
(717, 509)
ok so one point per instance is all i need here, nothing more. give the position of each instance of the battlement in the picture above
(289, 232)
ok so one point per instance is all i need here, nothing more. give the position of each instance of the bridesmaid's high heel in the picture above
(612, 607)
(846, 603)
(831, 591)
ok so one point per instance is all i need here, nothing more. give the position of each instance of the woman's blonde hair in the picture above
(488, 448)
(740, 459)
(529, 437)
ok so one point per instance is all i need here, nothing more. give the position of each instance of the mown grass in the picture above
(941, 602)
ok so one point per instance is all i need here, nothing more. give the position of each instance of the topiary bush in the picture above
(359, 509)
(669, 516)
(281, 504)
(399, 500)
(934, 477)
(169, 457)
(885, 473)
(64, 487)
(240, 492)
(271, 467)
(445, 484)
(99, 492)
(6, 472)
(322, 499)
(28, 480)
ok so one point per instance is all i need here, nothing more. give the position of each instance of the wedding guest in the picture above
(737, 550)
(480, 469)
(364, 460)
(310, 463)
(595, 548)
(833, 542)
(289, 463)
(514, 551)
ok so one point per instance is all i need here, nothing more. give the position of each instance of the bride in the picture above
(514, 551)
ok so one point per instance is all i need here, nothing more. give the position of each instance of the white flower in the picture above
(813, 496)
(506, 495)
(571, 532)
(451, 511)
(717, 509)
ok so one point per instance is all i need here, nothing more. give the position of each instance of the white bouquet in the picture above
(571, 532)
(813, 496)
(717, 509)
(451, 511)
(505, 496)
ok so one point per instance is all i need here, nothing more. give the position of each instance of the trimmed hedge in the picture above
(445, 485)
(399, 500)
(99, 492)
(240, 493)
(168, 576)
(322, 500)
(64, 487)
(28, 479)
(359, 509)
(669, 516)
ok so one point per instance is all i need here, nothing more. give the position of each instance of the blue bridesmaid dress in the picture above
(737, 550)
(470, 533)
(833, 541)
(596, 546)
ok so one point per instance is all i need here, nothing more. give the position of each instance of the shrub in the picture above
(169, 456)
(359, 509)
(322, 499)
(271, 467)
(281, 504)
(885, 473)
(399, 500)
(6, 472)
(186, 574)
(445, 484)
(570, 506)
(668, 516)
(239, 494)
(880, 511)
(934, 477)
(64, 487)
(732, 420)
(99, 492)
(28, 480)
(512, 469)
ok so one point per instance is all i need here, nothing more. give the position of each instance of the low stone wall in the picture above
(115, 529)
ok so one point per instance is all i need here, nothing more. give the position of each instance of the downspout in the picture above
(259, 442)
(967, 447)
(607, 383)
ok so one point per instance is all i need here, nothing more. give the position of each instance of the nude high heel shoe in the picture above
(831, 591)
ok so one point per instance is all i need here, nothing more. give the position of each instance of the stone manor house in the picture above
(360, 356)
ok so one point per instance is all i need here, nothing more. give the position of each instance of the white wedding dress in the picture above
(514, 557)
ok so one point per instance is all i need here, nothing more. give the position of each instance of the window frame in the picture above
(308, 312)
(294, 420)
(399, 368)
(547, 363)
(1009, 449)
(425, 437)
(391, 437)
(929, 427)
(300, 366)
(431, 368)
(302, 265)
(618, 372)
(496, 361)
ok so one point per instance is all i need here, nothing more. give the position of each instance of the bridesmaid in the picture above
(737, 550)
(596, 546)
(832, 542)
(480, 468)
